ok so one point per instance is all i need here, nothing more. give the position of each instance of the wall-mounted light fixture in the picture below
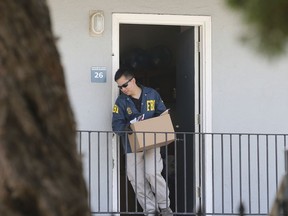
(96, 20)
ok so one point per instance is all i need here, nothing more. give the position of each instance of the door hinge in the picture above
(198, 192)
(198, 119)
(198, 45)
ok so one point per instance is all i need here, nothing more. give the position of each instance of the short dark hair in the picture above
(128, 73)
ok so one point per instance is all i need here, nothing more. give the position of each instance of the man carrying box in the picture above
(135, 101)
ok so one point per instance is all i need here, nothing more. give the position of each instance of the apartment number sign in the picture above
(98, 74)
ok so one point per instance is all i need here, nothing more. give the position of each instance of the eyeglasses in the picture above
(125, 84)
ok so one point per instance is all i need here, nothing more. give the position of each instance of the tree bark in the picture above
(40, 169)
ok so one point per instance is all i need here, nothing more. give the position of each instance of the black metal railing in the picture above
(214, 171)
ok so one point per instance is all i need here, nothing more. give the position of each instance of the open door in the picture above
(185, 120)
(174, 79)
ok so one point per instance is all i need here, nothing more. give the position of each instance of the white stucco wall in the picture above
(249, 92)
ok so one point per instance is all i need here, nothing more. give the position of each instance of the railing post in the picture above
(241, 209)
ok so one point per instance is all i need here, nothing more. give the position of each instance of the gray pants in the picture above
(150, 188)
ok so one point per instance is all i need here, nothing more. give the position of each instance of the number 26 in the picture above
(98, 75)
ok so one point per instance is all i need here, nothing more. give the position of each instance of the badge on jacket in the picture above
(150, 105)
(129, 111)
(115, 109)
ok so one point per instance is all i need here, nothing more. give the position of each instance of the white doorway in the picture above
(201, 77)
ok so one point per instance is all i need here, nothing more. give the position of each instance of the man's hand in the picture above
(128, 128)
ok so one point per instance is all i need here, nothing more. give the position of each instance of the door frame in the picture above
(205, 80)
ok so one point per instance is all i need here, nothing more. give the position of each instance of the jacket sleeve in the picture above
(119, 122)
(160, 106)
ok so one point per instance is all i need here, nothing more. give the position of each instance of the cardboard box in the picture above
(160, 132)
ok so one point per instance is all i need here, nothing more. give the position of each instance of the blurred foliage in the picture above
(268, 24)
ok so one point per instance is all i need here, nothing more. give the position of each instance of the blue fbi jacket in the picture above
(124, 111)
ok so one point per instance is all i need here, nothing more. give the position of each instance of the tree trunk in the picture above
(40, 169)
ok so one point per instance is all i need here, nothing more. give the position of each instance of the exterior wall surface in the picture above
(249, 92)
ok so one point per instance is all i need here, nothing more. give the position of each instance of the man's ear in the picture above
(134, 80)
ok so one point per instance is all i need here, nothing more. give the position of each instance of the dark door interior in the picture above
(163, 58)
(185, 114)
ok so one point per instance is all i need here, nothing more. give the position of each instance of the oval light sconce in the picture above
(96, 23)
